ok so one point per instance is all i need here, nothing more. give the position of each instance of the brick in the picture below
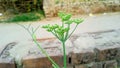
(107, 54)
(7, 63)
(42, 62)
(82, 58)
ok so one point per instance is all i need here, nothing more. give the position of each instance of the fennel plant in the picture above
(62, 32)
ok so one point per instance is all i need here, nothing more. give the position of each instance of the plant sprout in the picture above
(62, 32)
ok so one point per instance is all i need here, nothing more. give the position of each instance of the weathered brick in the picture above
(82, 58)
(107, 54)
(42, 62)
(7, 63)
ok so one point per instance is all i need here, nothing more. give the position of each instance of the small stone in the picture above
(1, 14)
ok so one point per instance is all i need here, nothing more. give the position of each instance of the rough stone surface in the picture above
(108, 54)
(52, 7)
(103, 64)
(82, 58)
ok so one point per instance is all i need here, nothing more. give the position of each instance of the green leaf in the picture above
(44, 26)
(66, 29)
(66, 17)
(55, 26)
(49, 30)
(69, 22)
(78, 21)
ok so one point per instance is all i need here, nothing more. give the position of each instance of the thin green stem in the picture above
(55, 34)
(67, 32)
(44, 52)
(62, 37)
(64, 55)
(27, 29)
(72, 32)
(36, 29)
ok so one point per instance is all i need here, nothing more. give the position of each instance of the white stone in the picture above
(1, 14)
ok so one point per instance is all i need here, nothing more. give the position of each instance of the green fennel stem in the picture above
(72, 32)
(44, 52)
(64, 55)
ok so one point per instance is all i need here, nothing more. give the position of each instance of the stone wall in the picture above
(88, 50)
(52, 7)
